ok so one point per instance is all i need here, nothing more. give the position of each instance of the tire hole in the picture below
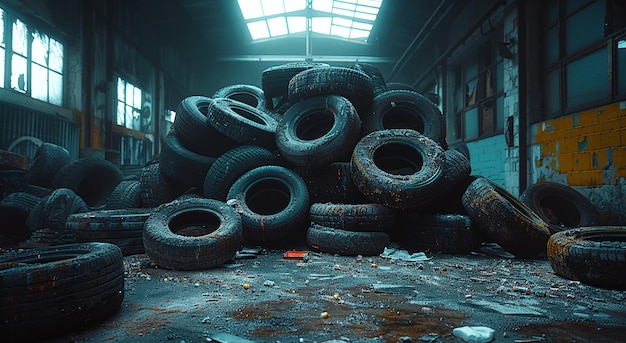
(398, 159)
(267, 197)
(314, 125)
(560, 211)
(194, 223)
(403, 117)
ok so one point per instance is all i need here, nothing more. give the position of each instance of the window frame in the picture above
(482, 96)
(608, 42)
(9, 18)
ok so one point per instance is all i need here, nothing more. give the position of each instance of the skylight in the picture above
(350, 19)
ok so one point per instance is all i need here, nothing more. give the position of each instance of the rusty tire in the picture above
(561, 206)
(123, 227)
(399, 168)
(243, 123)
(344, 242)
(53, 290)
(402, 109)
(273, 202)
(350, 217)
(192, 234)
(352, 84)
(11, 161)
(505, 220)
(592, 255)
(318, 130)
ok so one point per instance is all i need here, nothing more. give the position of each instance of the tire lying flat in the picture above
(192, 234)
(53, 290)
(592, 255)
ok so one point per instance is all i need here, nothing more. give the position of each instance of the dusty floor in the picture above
(369, 299)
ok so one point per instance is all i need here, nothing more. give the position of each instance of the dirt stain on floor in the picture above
(349, 313)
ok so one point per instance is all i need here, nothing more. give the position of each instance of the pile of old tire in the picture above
(53, 290)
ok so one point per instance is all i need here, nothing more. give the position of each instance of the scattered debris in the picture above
(400, 254)
(474, 334)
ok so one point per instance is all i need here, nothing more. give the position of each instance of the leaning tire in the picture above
(273, 202)
(50, 214)
(560, 206)
(592, 255)
(361, 217)
(192, 234)
(48, 160)
(405, 110)
(243, 123)
(125, 195)
(93, 179)
(182, 165)
(318, 130)
(348, 243)
(378, 81)
(275, 82)
(398, 168)
(231, 165)
(505, 220)
(51, 291)
(155, 187)
(248, 94)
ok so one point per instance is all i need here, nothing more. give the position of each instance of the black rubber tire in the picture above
(405, 110)
(347, 243)
(318, 130)
(184, 166)
(11, 181)
(231, 165)
(248, 94)
(53, 290)
(350, 217)
(273, 202)
(93, 179)
(396, 86)
(352, 84)
(275, 82)
(14, 211)
(123, 228)
(37, 191)
(125, 195)
(243, 123)
(446, 233)
(456, 169)
(331, 183)
(593, 255)
(51, 212)
(560, 206)
(463, 149)
(399, 168)
(192, 234)
(155, 187)
(378, 81)
(48, 160)
(505, 220)
(194, 130)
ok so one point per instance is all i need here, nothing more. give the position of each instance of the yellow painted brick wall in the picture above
(588, 147)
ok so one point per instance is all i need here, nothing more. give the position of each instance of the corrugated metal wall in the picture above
(16, 121)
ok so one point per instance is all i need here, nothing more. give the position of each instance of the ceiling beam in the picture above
(299, 58)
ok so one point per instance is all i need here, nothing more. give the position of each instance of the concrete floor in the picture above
(370, 299)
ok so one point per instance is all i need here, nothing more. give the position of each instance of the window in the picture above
(582, 55)
(351, 19)
(129, 105)
(478, 95)
(31, 62)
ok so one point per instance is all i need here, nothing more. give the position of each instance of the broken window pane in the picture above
(40, 49)
(20, 38)
(55, 54)
(55, 91)
(39, 89)
(18, 73)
